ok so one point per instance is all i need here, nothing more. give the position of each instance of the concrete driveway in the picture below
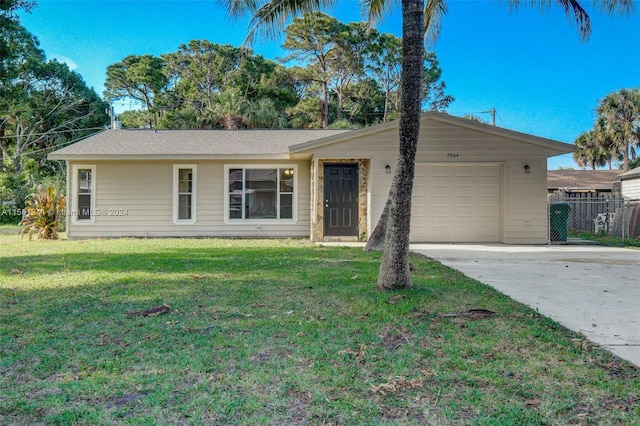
(589, 289)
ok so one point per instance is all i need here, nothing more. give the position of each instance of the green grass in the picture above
(280, 332)
(605, 239)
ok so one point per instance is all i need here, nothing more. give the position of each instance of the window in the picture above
(83, 194)
(261, 193)
(184, 193)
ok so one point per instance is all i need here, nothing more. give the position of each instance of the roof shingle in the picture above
(581, 179)
(188, 143)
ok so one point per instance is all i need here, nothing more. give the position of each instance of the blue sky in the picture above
(530, 66)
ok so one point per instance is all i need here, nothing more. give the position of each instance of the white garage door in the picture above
(457, 203)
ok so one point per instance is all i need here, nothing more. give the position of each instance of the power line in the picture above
(35, 151)
(54, 132)
(502, 121)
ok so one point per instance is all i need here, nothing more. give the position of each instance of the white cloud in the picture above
(72, 65)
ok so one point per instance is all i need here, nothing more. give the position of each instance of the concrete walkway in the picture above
(589, 289)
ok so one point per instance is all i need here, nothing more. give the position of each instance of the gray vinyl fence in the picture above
(595, 214)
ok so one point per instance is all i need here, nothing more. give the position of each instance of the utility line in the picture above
(55, 132)
(35, 151)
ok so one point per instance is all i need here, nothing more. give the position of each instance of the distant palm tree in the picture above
(418, 19)
(228, 111)
(589, 153)
(634, 163)
(620, 118)
(606, 143)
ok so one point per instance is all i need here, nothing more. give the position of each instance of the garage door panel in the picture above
(487, 231)
(439, 232)
(464, 190)
(439, 190)
(464, 210)
(488, 171)
(439, 211)
(439, 171)
(457, 203)
(488, 212)
(487, 190)
(462, 232)
(464, 171)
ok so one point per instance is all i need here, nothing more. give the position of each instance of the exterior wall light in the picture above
(527, 169)
(387, 168)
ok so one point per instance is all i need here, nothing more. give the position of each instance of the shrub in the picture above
(43, 208)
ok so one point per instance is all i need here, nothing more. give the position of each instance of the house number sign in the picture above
(453, 155)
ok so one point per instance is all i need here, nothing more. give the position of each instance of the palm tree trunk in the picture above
(394, 269)
(625, 167)
(377, 237)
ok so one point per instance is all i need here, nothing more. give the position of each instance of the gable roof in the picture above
(582, 180)
(124, 144)
(254, 144)
(555, 147)
(631, 174)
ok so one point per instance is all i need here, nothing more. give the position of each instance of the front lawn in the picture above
(280, 333)
(606, 239)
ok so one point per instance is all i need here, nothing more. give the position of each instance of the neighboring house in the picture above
(630, 183)
(473, 183)
(597, 182)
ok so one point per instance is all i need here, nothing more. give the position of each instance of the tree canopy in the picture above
(616, 132)
(334, 75)
(43, 106)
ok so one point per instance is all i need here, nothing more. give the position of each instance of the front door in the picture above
(341, 200)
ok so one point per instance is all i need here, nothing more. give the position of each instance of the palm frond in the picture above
(570, 8)
(375, 10)
(270, 19)
(613, 7)
(574, 10)
(434, 11)
(238, 8)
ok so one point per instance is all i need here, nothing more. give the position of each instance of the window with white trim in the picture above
(261, 193)
(83, 194)
(184, 193)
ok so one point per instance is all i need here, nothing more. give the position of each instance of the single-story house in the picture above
(630, 184)
(473, 183)
(604, 183)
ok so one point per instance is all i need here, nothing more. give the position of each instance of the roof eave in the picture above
(342, 137)
(557, 146)
(554, 147)
(168, 157)
(631, 174)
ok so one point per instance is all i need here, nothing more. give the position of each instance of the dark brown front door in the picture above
(341, 200)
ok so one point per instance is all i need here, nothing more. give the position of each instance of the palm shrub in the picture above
(43, 208)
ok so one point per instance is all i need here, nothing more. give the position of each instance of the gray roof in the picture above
(581, 179)
(631, 174)
(253, 144)
(184, 144)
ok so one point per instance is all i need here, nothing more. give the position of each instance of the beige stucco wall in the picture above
(135, 198)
